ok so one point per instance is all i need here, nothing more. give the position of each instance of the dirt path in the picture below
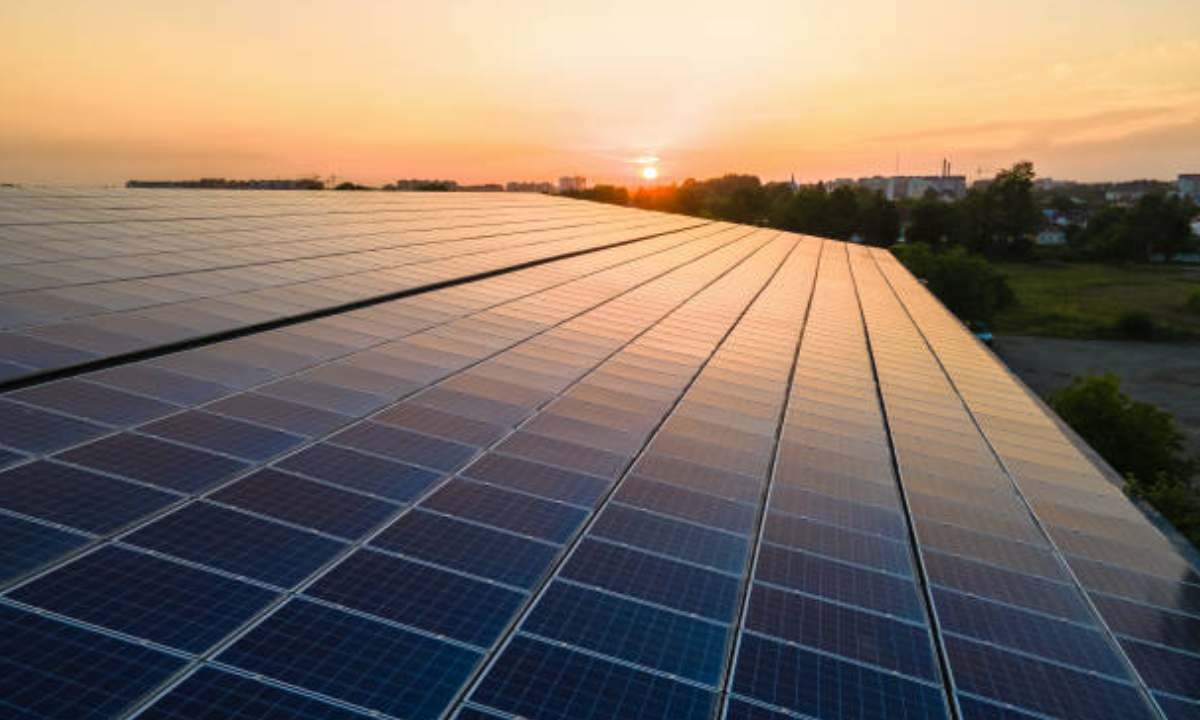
(1167, 375)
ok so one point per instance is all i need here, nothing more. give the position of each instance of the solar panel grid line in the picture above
(268, 697)
(1123, 649)
(681, 400)
(269, 240)
(732, 239)
(261, 265)
(206, 257)
(154, 260)
(1092, 540)
(382, 340)
(453, 272)
(880, 300)
(296, 590)
(834, 269)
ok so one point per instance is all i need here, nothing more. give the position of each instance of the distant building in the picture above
(1123, 196)
(533, 187)
(572, 184)
(1052, 236)
(901, 187)
(223, 184)
(1189, 187)
(485, 187)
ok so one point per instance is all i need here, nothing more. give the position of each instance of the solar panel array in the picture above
(645, 468)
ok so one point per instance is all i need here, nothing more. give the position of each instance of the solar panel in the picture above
(694, 470)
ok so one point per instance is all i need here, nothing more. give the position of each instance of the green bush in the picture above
(1193, 300)
(967, 284)
(1140, 441)
(1136, 325)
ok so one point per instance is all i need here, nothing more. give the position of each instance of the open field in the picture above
(1085, 300)
(1165, 374)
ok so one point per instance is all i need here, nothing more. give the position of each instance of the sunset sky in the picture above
(490, 90)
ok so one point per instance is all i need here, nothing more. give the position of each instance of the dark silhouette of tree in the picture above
(968, 285)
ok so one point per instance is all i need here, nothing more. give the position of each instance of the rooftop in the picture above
(488, 457)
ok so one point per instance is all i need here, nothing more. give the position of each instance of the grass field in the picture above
(1085, 300)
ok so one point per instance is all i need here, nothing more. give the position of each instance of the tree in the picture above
(1016, 216)
(967, 284)
(1135, 437)
(934, 222)
(1140, 441)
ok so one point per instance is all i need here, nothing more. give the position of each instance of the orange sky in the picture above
(495, 90)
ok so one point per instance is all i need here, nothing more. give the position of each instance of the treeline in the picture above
(1156, 226)
(844, 213)
(999, 219)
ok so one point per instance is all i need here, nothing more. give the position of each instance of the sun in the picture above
(650, 172)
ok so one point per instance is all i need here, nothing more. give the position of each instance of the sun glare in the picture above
(650, 172)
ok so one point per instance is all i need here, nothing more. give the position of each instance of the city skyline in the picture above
(534, 91)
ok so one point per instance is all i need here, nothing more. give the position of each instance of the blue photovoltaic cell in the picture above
(976, 709)
(157, 382)
(233, 437)
(538, 681)
(670, 536)
(702, 478)
(470, 548)
(147, 597)
(37, 353)
(835, 511)
(1166, 670)
(24, 545)
(212, 694)
(513, 511)
(1178, 708)
(359, 471)
(1060, 640)
(1014, 588)
(611, 625)
(837, 581)
(740, 709)
(683, 587)
(889, 644)
(238, 543)
(823, 687)
(420, 596)
(681, 502)
(470, 713)
(1151, 589)
(8, 457)
(1146, 622)
(1040, 686)
(278, 413)
(324, 395)
(354, 659)
(78, 498)
(581, 458)
(95, 402)
(538, 478)
(154, 461)
(38, 431)
(49, 669)
(839, 543)
(442, 424)
(296, 500)
(405, 445)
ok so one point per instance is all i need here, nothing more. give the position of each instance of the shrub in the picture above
(1136, 325)
(1140, 441)
(1193, 301)
(967, 284)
